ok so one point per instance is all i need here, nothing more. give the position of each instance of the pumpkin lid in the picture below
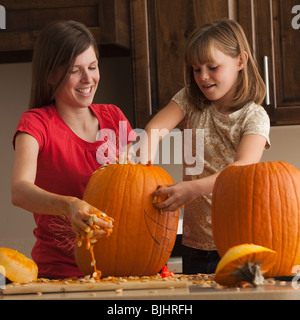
(17, 267)
(244, 263)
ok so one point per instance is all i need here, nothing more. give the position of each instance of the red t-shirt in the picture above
(65, 164)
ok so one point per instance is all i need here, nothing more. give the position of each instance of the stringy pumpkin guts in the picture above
(90, 239)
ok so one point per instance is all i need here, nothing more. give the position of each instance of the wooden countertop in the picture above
(195, 289)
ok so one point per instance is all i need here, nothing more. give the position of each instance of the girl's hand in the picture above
(80, 212)
(178, 194)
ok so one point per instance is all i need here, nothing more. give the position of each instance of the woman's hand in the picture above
(80, 212)
(178, 194)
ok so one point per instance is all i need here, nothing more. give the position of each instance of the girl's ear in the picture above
(242, 62)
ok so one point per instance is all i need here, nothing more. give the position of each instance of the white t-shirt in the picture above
(222, 135)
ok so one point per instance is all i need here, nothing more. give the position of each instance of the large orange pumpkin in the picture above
(259, 204)
(143, 237)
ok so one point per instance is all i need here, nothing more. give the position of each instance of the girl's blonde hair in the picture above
(55, 51)
(227, 36)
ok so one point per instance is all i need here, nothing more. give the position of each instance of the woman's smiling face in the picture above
(79, 90)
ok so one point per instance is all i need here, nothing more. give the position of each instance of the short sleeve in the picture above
(112, 117)
(181, 99)
(33, 123)
(126, 133)
(258, 122)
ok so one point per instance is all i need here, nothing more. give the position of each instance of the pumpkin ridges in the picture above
(133, 198)
(142, 204)
(276, 216)
(274, 200)
(104, 197)
(258, 204)
(296, 225)
(223, 189)
(234, 191)
(107, 201)
(123, 259)
(282, 206)
(123, 239)
(241, 218)
(271, 225)
(290, 206)
(243, 196)
(150, 259)
(297, 192)
(165, 218)
(279, 225)
(143, 210)
(160, 218)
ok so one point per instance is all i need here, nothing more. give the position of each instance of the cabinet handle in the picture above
(267, 82)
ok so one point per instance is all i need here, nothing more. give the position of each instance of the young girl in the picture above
(56, 146)
(222, 95)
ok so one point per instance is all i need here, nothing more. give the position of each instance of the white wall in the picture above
(285, 145)
(16, 225)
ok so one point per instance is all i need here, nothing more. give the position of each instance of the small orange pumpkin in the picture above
(143, 237)
(244, 263)
(18, 268)
(259, 204)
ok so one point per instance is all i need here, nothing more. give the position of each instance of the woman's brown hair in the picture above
(55, 51)
(227, 36)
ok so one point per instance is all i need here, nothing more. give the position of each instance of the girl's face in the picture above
(217, 79)
(79, 90)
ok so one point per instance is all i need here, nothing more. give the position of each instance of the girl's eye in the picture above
(213, 68)
(196, 70)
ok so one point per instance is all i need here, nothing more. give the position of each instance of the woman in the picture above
(56, 146)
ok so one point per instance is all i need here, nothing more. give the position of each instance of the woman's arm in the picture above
(27, 195)
(249, 151)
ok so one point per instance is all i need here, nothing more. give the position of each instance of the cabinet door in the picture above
(108, 20)
(159, 33)
(272, 35)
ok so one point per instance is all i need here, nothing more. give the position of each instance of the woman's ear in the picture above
(242, 62)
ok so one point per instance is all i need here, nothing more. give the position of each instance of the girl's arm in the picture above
(249, 151)
(27, 195)
(168, 118)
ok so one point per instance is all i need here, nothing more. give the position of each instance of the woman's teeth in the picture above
(86, 91)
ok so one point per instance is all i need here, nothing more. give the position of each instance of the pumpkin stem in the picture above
(250, 272)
